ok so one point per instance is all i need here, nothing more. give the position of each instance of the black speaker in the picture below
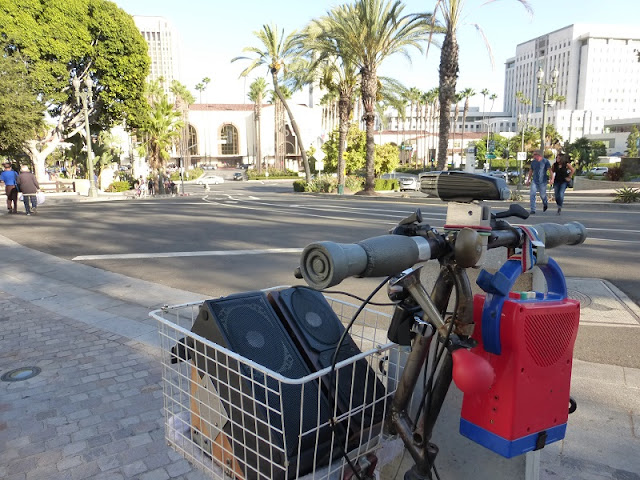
(316, 329)
(259, 408)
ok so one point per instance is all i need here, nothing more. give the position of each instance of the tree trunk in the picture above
(448, 79)
(369, 90)
(294, 125)
(258, 114)
(464, 119)
(345, 106)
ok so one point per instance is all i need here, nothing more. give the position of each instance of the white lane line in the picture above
(204, 253)
(609, 240)
(613, 230)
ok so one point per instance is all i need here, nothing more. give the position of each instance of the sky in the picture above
(212, 32)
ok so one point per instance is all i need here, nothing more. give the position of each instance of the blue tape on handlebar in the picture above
(498, 286)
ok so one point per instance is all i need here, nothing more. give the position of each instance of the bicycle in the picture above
(236, 409)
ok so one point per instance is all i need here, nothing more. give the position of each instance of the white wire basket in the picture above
(236, 419)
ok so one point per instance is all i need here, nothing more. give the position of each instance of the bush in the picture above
(299, 186)
(119, 186)
(386, 184)
(627, 195)
(614, 174)
(323, 184)
(354, 183)
(194, 173)
(252, 174)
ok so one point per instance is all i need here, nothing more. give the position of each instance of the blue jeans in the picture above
(26, 198)
(559, 189)
(535, 188)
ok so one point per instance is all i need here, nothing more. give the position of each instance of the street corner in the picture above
(602, 303)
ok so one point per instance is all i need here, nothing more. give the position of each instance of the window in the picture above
(229, 133)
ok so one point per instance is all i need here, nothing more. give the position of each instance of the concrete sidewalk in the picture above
(95, 410)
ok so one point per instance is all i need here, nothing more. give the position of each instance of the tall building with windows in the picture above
(164, 47)
(598, 76)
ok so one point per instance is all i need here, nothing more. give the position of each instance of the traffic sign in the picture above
(490, 156)
(522, 156)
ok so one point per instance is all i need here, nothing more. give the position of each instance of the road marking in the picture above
(609, 240)
(204, 253)
(614, 230)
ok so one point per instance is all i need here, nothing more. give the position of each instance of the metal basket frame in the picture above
(185, 401)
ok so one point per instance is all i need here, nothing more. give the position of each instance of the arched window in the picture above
(228, 140)
(193, 141)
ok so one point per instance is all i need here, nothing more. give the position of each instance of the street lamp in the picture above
(547, 89)
(85, 97)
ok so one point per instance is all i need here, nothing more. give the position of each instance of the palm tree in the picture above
(451, 12)
(456, 113)
(370, 31)
(161, 129)
(467, 93)
(276, 51)
(202, 86)
(257, 91)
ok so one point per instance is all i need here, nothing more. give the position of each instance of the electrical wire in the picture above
(332, 374)
(340, 292)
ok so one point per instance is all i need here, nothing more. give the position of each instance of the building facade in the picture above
(164, 48)
(598, 76)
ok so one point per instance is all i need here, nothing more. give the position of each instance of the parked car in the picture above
(499, 174)
(211, 180)
(408, 183)
(238, 176)
(599, 170)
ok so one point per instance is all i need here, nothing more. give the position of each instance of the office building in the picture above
(164, 47)
(598, 76)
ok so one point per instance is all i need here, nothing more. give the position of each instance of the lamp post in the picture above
(546, 88)
(85, 97)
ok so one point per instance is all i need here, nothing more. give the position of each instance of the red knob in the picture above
(471, 373)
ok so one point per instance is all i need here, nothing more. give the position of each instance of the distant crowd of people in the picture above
(149, 187)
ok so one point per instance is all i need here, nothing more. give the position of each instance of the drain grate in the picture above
(20, 374)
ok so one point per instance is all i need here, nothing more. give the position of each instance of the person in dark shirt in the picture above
(10, 179)
(29, 187)
(561, 173)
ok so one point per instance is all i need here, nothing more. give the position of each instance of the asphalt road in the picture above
(246, 235)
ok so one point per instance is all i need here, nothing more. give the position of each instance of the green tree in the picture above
(632, 142)
(257, 91)
(466, 94)
(585, 152)
(21, 113)
(202, 86)
(338, 76)
(450, 14)
(162, 127)
(80, 38)
(276, 51)
(371, 31)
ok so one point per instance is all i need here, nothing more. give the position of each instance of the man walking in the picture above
(10, 179)
(29, 186)
(538, 176)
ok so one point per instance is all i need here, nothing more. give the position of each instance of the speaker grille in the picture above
(315, 316)
(250, 327)
(548, 336)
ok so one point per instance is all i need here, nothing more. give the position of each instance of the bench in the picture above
(58, 186)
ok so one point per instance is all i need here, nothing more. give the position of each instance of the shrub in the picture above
(252, 174)
(194, 173)
(354, 183)
(299, 186)
(614, 174)
(119, 186)
(386, 184)
(323, 184)
(627, 195)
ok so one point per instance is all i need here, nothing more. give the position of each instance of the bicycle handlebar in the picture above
(325, 264)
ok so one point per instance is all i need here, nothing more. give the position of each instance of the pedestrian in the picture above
(10, 179)
(29, 187)
(151, 187)
(538, 177)
(561, 174)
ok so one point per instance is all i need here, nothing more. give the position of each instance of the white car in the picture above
(408, 183)
(211, 180)
(599, 170)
